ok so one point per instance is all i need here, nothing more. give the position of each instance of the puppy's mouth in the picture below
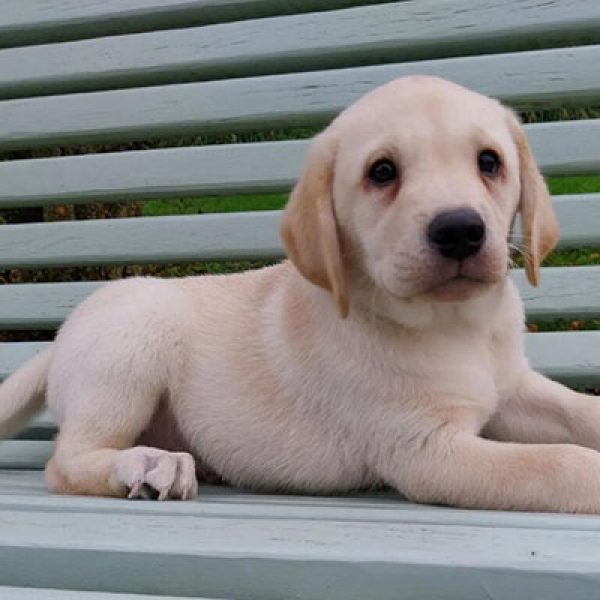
(457, 287)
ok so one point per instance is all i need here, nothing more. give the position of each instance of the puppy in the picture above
(388, 349)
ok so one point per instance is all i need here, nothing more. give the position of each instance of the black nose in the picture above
(457, 233)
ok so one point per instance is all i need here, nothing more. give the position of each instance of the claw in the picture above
(151, 473)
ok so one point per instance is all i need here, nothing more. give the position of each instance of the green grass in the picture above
(213, 204)
(580, 184)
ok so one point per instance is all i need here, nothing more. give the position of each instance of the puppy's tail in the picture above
(24, 393)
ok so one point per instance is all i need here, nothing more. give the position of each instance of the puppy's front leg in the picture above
(456, 467)
(542, 410)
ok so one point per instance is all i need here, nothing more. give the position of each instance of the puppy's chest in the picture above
(449, 370)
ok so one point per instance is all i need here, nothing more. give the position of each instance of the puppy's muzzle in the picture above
(457, 234)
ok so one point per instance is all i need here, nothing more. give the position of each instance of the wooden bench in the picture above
(75, 72)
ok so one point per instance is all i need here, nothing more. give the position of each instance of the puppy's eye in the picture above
(489, 162)
(383, 172)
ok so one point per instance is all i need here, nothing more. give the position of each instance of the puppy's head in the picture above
(414, 190)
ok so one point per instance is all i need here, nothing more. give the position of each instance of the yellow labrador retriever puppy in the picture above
(388, 349)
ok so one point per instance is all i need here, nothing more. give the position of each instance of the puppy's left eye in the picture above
(382, 172)
(489, 162)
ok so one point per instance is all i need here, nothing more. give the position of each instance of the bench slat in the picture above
(24, 490)
(392, 32)
(318, 559)
(218, 236)
(563, 293)
(26, 454)
(571, 357)
(40, 21)
(524, 79)
(13, 593)
(565, 148)
(141, 240)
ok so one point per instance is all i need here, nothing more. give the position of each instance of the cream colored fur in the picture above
(361, 361)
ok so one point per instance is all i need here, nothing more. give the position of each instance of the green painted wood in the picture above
(41, 21)
(14, 354)
(571, 357)
(389, 32)
(523, 79)
(565, 148)
(294, 558)
(563, 293)
(12, 593)
(572, 212)
(567, 293)
(24, 454)
(143, 240)
(224, 236)
(25, 490)
(41, 305)
(113, 177)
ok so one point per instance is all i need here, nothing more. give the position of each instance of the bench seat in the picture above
(13, 593)
(229, 543)
(162, 72)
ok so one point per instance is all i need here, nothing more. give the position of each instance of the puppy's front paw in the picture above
(171, 475)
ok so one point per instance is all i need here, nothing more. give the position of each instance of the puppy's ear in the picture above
(539, 223)
(309, 228)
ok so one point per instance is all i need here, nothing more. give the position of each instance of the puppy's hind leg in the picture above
(138, 472)
(93, 454)
(111, 368)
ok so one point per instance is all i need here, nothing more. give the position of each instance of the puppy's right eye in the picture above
(383, 172)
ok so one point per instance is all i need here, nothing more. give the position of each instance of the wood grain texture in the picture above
(230, 543)
(25, 454)
(225, 236)
(564, 292)
(571, 357)
(523, 79)
(579, 220)
(230, 538)
(143, 240)
(25, 490)
(179, 172)
(12, 593)
(569, 293)
(275, 557)
(25, 22)
(41, 305)
(398, 31)
(565, 148)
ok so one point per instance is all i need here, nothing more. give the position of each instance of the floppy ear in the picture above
(309, 228)
(539, 223)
